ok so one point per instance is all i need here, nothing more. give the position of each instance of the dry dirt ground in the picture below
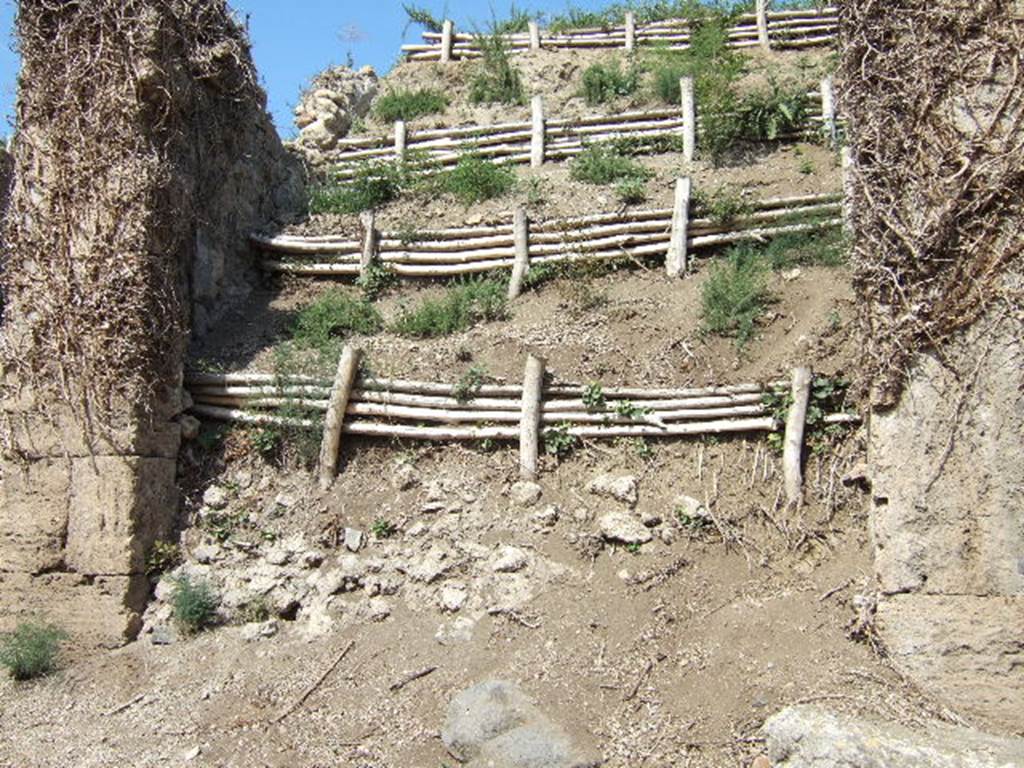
(670, 655)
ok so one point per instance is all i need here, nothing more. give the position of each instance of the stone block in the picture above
(119, 507)
(34, 501)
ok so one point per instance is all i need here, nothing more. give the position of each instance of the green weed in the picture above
(559, 442)
(383, 529)
(475, 179)
(604, 82)
(602, 164)
(465, 304)
(496, 79)
(721, 206)
(194, 604)
(30, 651)
(332, 317)
(593, 396)
(736, 294)
(373, 185)
(163, 556)
(469, 384)
(418, 15)
(408, 104)
(376, 280)
(631, 191)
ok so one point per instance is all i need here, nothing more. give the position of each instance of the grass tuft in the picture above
(464, 304)
(332, 317)
(418, 15)
(30, 651)
(374, 185)
(604, 82)
(496, 79)
(475, 179)
(194, 604)
(736, 294)
(408, 104)
(604, 164)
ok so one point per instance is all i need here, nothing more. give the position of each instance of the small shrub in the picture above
(331, 317)
(579, 18)
(602, 164)
(475, 179)
(383, 529)
(630, 410)
(541, 273)
(421, 16)
(408, 104)
(604, 82)
(631, 191)
(735, 294)
(374, 185)
(559, 442)
(376, 280)
(496, 79)
(806, 166)
(30, 651)
(468, 385)
(465, 304)
(593, 396)
(767, 114)
(254, 611)
(534, 187)
(266, 440)
(721, 206)
(162, 556)
(194, 604)
(518, 20)
(826, 248)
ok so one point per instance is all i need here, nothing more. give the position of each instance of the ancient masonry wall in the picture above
(81, 506)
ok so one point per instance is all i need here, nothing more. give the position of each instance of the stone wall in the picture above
(150, 213)
(947, 522)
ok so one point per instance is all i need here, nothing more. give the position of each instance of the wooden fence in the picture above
(540, 139)
(520, 244)
(764, 28)
(418, 410)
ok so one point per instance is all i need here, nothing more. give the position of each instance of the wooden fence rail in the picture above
(543, 139)
(521, 244)
(421, 410)
(763, 28)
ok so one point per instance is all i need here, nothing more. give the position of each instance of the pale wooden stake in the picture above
(447, 33)
(537, 135)
(534, 36)
(676, 260)
(529, 425)
(400, 139)
(689, 105)
(370, 240)
(348, 367)
(793, 448)
(762, 24)
(846, 159)
(630, 31)
(828, 109)
(521, 233)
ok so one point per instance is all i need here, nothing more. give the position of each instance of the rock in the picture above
(547, 517)
(259, 631)
(206, 553)
(792, 274)
(405, 477)
(453, 597)
(761, 762)
(581, 516)
(459, 631)
(509, 560)
(668, 536)
(427, 568)
(284, 500)
(311, 558)
(525, 494)
(336, 98)
(190, 426)
(494, 725)
(650, 518)
(433, 507)
(688, 507)
(812, 737)
(215, 497)
(278, 555)
(192, 754)
(623, 488)
(624, 528)
(376, 609)
(353, 539)
(163, 636)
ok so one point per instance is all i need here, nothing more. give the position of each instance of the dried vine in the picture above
(933, 94)
(101, 223)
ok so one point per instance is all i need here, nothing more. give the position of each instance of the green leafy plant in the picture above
(408, 104)
(806, 166)
(735, 294)
(827, 395)
(374, 184)
(475, 179)
(630, 410)
(602, 164)
(769, 113)
(604, 82)
(824, 248)
(468, 385)
(31, 650)
(693, 523)
(496, 79)
(254, 611)
(518, 20)
(631, 191)
(332, 317)
(383, 529)
(559, 442)
(723, 205)
(194, 604)
(593, 396)
(163, 556)
(534, 188)
(465, 304)
(376, 280)
(634, 548)
(418, 15)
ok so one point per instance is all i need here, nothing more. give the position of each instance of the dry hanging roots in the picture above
(933, 93)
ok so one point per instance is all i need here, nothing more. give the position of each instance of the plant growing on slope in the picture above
(735, 294)
(373, 185)
(408, 104)
(604, 82)
(418, 15)
(603, 164)
(30, 651)
(465, 304)
(496, 79)
(334, 315)
(194, 604)
(475, 179)
(468, 385)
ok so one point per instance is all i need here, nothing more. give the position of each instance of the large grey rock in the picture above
(624, 527)
(811, 737)
(337, 97)
(622, 488)
(495, 725)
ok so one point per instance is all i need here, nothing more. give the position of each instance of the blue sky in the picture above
(295, 39)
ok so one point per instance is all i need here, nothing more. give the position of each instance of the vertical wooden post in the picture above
(793, 447)
(828, 109)
(537, 137)
(534, 36)
(676, 260)
(400, 139)
(447, 35)
(521, 233)
(630, 31)
(330, 445)
(689, 105)
(369, 221)
(762, 24)
(529, 425)
(846, 162)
